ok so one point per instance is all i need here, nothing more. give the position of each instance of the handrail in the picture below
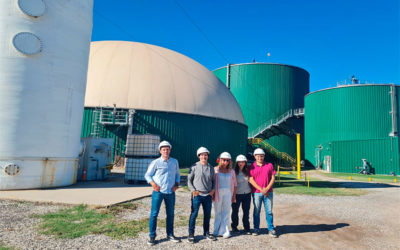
(275, 121)
(272, 150)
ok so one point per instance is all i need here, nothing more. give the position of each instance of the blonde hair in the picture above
(229, 165)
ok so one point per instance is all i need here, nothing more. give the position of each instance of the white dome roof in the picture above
(142, 76)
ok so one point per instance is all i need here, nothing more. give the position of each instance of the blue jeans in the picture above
(258, 200)
(206, 201)
(156, 200)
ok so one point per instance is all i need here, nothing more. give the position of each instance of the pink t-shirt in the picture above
(262, 175)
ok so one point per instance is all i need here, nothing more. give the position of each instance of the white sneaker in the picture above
(226, 236)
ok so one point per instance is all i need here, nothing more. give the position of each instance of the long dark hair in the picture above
(244, 170)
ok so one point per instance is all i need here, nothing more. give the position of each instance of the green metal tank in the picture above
(265, 91)
(346, 124)
(185, 132)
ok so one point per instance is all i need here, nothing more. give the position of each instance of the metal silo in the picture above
(346, 124)
(44, 49)
(267, 93)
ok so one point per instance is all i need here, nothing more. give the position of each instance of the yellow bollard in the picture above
(369, 179)
(349, 177)
(279, 176)
(298, 156)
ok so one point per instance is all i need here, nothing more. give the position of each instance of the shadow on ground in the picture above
(296, 229)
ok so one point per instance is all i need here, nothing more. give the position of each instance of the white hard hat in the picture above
(259, 151)
(202, 150)
(225, 155)
(241, 158)
(164, 144)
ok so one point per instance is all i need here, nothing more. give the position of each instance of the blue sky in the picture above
(330, 39)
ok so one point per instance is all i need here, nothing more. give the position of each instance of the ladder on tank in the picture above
(96, 125)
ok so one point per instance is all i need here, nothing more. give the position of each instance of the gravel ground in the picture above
(303, 222)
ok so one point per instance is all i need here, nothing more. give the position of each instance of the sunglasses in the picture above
(225, 160)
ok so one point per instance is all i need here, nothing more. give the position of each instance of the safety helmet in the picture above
(164, 144)
(241, 158)
(202, 150)
(259, 151)
(225, 155)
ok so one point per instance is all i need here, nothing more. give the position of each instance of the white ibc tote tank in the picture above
(44, 50)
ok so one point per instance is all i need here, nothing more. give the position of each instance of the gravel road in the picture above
(303, 222)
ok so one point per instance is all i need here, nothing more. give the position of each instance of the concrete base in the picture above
(93, 193)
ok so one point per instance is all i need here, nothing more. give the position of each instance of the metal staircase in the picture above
(274, 127)
(268, 148)
(278, 126)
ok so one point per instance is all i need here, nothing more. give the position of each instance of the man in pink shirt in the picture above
(262, 178)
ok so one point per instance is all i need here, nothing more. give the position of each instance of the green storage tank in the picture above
(265, 91)
(346, 124)
(171, 95)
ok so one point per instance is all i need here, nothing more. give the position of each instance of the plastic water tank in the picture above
(44, 50)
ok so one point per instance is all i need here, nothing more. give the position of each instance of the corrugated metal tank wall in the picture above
(185, 132)
(265, 91)
(44, 50)
(352, 123)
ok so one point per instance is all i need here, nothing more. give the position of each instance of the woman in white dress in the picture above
(225, 194)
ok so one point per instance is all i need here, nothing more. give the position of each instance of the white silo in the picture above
(44, 49)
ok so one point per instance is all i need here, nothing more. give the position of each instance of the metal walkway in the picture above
(108, 116)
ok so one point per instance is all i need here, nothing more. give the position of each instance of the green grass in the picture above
(360, 177)
(80, 220)
(290, 185)
(184, 171)
(186, 188)
(117, 209)
(3, 247)
(73, 222)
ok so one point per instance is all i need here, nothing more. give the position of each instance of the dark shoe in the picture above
(210, 237)
(248, 232)
(151, 241)
(173, 239)
(190, 238)
(256, 232)
(235, 230)
(272, 233)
